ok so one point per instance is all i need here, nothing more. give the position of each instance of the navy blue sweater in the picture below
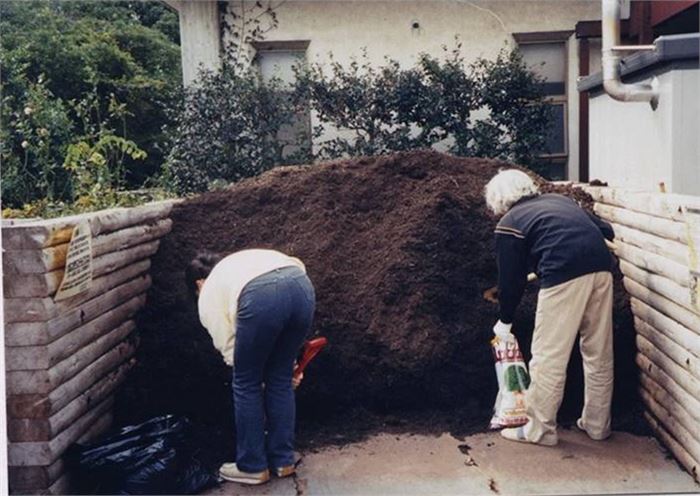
(552, 236)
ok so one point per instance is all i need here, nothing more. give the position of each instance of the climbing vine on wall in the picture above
(245, 22)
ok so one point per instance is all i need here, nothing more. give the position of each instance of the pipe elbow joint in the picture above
(637, 92)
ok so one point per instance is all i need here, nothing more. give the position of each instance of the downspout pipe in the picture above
(637, 92)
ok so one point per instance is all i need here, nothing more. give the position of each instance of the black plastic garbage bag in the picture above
(155, 457)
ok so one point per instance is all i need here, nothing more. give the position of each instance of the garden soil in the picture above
(400, 250)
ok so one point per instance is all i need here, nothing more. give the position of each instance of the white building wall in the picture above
(385, 29)
(572, 166)
(635, 147)
(685, 148)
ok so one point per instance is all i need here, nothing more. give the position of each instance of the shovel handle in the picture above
(311, 348)
(611, 246)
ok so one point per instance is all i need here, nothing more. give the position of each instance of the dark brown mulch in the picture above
(400, 250)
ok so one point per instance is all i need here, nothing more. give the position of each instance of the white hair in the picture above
(506, 188)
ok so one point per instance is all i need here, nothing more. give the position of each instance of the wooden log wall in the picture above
(64, 359)
(658, 239)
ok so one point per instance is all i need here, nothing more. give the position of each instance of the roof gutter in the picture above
(638, 92)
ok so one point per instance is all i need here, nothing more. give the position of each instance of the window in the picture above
(546, 55)
(276, 59)
(279, 64)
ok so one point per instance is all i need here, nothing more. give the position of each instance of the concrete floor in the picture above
(481, 464)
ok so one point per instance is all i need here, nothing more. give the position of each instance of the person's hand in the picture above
(491, 295)
(501, 329)
(296, 380)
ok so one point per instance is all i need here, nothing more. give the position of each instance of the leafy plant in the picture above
(490, 108)
(96, 161)
(517, 125)
(233, 124)
(231, 127)
(375, 107)
(244, 23)
(96, 183)
(93, 165)
(33, 140)
(71, 50)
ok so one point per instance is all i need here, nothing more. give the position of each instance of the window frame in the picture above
(552, 37)
(285, 46)
(281, 46)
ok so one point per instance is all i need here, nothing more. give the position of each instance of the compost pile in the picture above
(400, 250)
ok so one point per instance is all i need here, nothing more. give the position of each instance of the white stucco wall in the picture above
(384, 28)
(685, 150)
(573, 109)
(200, 38)
(635, 147)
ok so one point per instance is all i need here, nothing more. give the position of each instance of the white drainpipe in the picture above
(638, 92)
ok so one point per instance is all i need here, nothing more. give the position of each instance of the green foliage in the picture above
(232, 125)
(93, 164)
(377, 106)
(244, 23)
(33, 139)
(518, 122)
(70, 52)
(491, 108)
(96, 161)
(517, 378)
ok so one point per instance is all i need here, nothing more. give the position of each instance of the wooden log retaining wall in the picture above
(64, 359)
(658, 239)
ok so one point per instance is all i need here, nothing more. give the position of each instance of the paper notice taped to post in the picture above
(77, 277)
(692, 224)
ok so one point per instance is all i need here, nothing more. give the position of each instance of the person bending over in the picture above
(258, 306)
(565, 246)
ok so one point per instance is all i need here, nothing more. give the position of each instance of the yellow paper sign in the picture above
(78, 272)
(692, 224)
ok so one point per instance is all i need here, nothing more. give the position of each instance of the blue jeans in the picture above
(275, 311)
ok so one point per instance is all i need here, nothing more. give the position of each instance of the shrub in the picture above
(231, 126)
(92, 170)
(491, 108)
(518, 123)
(68, 51)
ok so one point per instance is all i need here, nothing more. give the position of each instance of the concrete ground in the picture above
(481, 464)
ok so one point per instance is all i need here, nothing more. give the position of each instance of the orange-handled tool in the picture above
(311, 349)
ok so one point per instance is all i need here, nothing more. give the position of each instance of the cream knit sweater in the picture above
(218, 298)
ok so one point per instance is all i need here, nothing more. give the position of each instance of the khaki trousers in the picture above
(580, 306)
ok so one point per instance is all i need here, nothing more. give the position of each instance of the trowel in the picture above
(311, 348)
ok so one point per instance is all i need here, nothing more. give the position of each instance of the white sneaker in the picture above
(579, 424)
(518, 434)
(230, 472)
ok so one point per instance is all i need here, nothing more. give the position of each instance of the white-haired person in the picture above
(258, 306)
(565, 246)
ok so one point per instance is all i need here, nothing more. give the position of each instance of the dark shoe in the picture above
(230, 472)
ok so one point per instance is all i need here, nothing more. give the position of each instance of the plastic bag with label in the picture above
(513, 380)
